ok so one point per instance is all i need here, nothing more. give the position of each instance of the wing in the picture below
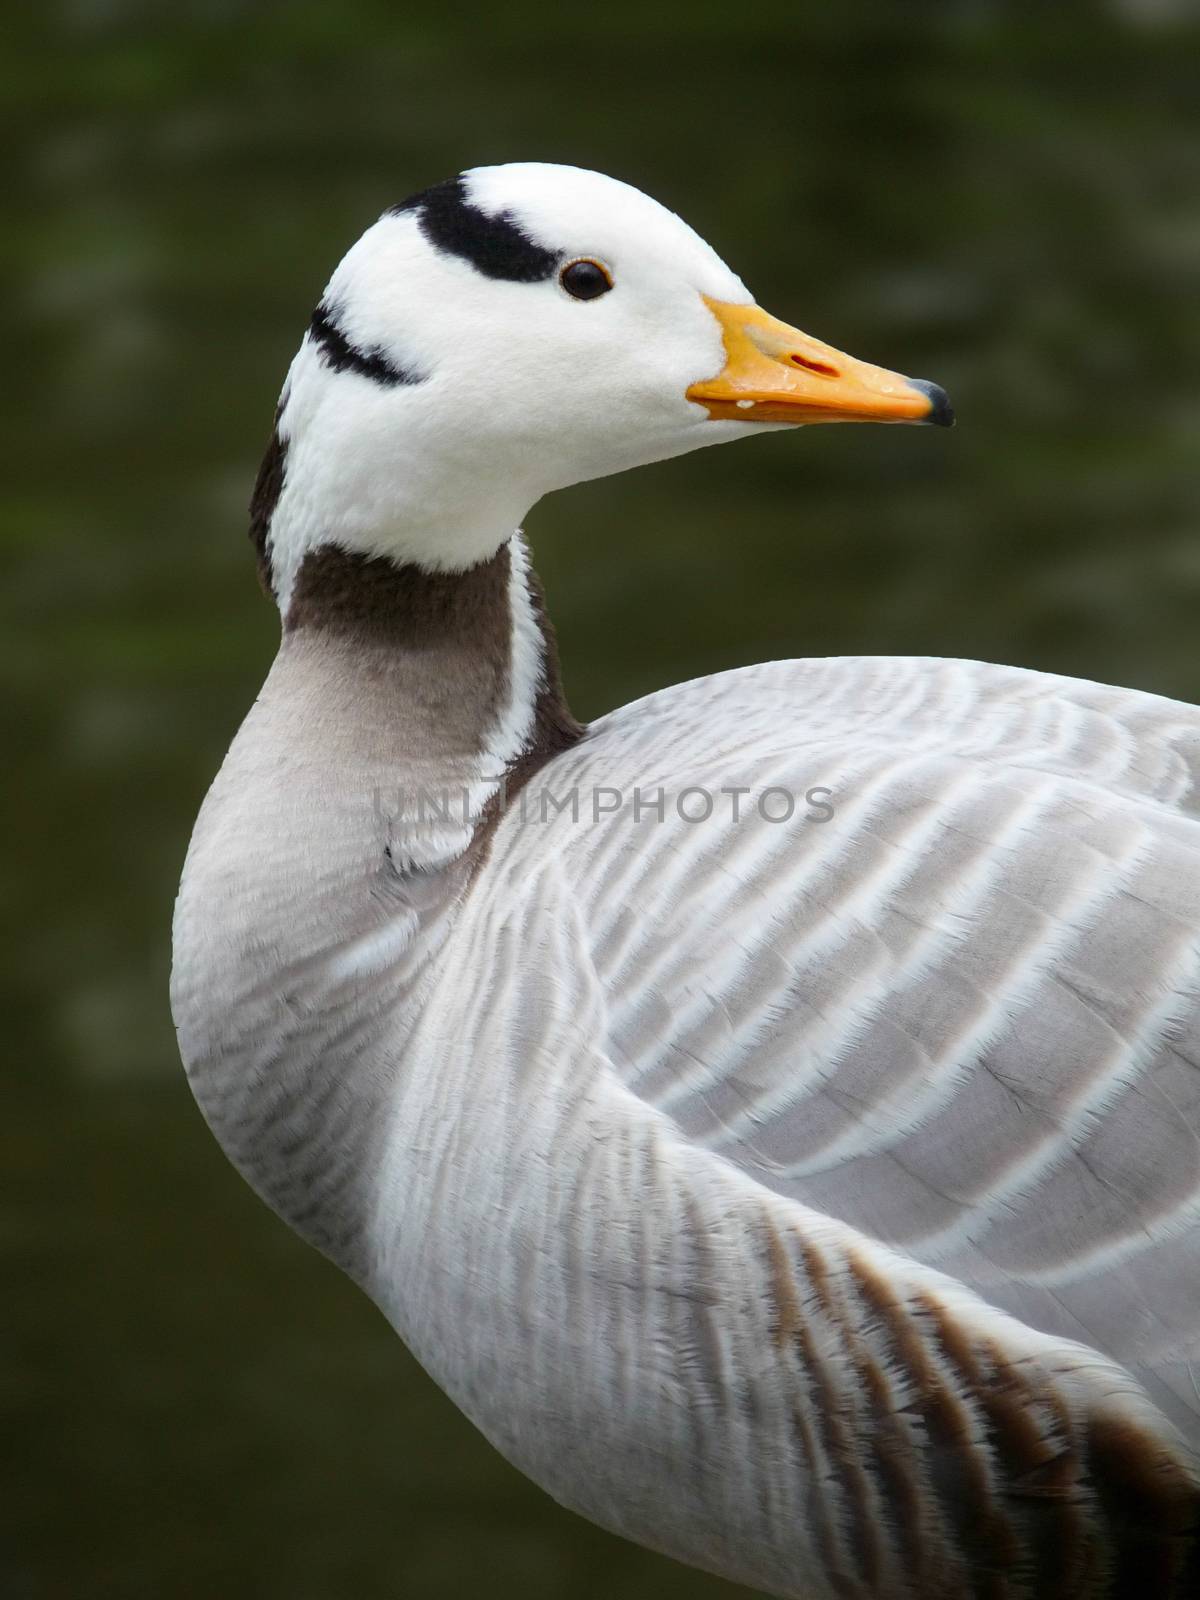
(938, 978)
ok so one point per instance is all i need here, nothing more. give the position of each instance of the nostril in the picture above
(821, 368)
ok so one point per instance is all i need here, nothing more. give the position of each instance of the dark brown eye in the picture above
(585, 279)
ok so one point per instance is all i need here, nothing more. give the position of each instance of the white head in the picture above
(462, 363)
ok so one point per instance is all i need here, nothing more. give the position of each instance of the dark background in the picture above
(1002, 197)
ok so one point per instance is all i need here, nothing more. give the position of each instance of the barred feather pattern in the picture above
(839, 1178)
(814, 1200)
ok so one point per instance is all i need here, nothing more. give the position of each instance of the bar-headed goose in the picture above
(773, 1112)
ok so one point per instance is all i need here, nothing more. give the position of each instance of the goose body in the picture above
(772, 1112)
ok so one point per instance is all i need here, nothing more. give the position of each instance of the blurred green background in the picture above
(1003, 197)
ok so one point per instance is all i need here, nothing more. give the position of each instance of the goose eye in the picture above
(585, 279)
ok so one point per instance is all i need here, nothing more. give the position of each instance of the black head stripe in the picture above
(495, 246)
(267, 489)
(343, 356)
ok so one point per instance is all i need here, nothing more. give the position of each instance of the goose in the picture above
(772, 1112)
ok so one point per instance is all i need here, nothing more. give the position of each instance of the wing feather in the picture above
(963, 1015)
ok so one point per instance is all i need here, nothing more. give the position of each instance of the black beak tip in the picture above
(941, 412)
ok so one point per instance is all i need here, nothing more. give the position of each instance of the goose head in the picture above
(515, 330)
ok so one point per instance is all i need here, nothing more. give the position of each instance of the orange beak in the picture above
(774, 373)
